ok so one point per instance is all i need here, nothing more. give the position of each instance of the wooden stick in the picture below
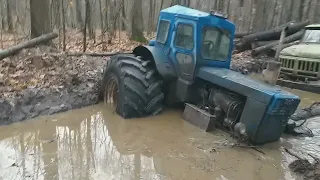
(292, 154)
(90, 54)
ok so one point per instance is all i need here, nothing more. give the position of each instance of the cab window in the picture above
(184, 36)
(215, 44)
(163, 31)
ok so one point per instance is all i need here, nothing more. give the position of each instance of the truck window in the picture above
(215, 44)
(184, 36)
(311, 36)
(163, 31)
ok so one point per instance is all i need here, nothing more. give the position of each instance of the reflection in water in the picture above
(81, 151)
(93, 143)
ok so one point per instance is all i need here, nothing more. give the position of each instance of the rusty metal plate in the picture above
(199, 117)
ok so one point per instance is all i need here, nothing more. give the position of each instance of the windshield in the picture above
(311, 36)
(216, 44)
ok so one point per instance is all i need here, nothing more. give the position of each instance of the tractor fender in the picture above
(163, 64)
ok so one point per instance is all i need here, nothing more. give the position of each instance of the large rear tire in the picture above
(132, 86)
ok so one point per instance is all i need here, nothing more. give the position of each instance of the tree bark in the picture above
(85, 27)
(90, 20)
(40, 19)
(63, 26)
(260, 23)
(31, 43)
(78, 13)
(137, 21)
(9, 17)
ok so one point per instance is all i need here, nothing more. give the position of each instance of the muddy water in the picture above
(94, 143)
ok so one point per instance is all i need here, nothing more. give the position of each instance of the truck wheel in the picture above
(132, 87)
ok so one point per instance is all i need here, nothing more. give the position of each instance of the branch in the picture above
(292, 154)
(89, 54)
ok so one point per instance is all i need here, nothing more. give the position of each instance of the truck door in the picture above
(183, 49)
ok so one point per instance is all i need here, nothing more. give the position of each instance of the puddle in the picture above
(94, 143)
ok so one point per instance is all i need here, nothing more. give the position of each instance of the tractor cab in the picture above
(192, 38)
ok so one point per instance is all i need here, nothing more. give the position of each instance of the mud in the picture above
(95, 143)
(40, 81)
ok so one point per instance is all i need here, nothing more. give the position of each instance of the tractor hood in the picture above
(303, 50)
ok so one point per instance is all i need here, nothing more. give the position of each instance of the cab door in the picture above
(183, 48)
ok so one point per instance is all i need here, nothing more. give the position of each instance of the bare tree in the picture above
(137, 21)
(85, 26)
(90, 20)
(9, 16)
(78, 13)
(40, 20)
(63, 25)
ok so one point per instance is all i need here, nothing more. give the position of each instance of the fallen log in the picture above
(274, 34)
(241, 34)
(96, 54)
(257, 44)
(289, 39)
(27, 44)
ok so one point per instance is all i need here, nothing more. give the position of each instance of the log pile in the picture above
(266, 42)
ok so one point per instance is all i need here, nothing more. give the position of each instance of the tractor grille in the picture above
(303, 67)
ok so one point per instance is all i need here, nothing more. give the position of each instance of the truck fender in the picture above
(163, 64)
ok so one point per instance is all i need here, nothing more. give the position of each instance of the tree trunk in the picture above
(78, 13)
(101, 22)
(90, 21)
(63, 26)
(40, 19)
(259, 19)
(137, 21)
(85, 26)
(9, 17)
(2, 14)
(123, 14)
(151, 11)
(247, 5)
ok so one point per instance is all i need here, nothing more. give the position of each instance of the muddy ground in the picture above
(94, 143)
(42, 81)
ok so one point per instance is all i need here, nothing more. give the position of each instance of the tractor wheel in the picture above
(132, 87)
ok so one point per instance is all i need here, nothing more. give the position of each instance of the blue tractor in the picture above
(189, 62)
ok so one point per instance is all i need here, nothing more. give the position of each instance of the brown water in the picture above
(94, 143)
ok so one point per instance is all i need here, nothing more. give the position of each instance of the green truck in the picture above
(302, 61)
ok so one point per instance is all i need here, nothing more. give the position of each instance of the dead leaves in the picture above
(31, 69)
(245, 63)
(47, 67)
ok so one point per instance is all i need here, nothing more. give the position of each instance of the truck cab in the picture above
(303, 60)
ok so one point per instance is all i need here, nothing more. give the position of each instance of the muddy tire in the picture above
(139, 86)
